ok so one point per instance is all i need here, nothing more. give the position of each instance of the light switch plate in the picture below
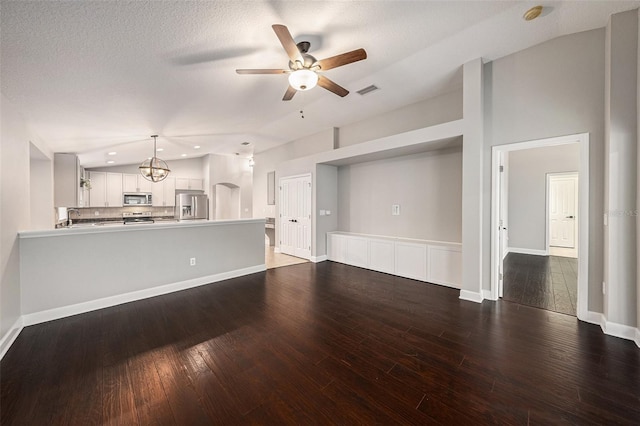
(395, 210)
(323, 212)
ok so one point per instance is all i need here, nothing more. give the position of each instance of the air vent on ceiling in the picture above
(368, 89)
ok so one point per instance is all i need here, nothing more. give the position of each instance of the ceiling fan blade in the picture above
(331, 86)
(343, 59)
(288, 95)
(287, 42)
(261, 71)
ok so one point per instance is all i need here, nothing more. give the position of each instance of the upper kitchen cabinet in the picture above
(164, 193)
(66, 180)
(188, 183)
(106, 189)
(135, 183)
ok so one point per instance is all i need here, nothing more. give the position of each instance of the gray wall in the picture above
(552, 89)
(527, 199)
(326, 198)
(14, 209)
(437, 110)
(122, 260)
(427, 186)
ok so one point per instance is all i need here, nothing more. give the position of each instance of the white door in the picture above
(295, 216)
(502, 220)
(563, 202)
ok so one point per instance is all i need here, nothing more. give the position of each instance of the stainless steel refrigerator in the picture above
(192, 207)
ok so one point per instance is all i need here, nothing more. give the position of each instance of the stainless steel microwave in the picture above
(136, 199)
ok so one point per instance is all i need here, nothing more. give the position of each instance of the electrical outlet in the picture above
(97, 213)
(192, 261)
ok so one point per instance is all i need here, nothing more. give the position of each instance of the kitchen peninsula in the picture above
(73, 270)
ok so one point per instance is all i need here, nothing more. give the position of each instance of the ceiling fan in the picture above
(304, 69)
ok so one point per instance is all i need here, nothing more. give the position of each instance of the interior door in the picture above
(562, 210)
(502, 221)
(295, 216)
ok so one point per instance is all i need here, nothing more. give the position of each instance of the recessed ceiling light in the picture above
(160, 149)
(183, 155)
(112, 153)
(110, 162)
(196, 147)
(532, 13)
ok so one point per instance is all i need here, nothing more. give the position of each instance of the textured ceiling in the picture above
(92, 77)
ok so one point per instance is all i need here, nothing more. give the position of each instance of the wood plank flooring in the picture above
(319, 344)
(547, 282)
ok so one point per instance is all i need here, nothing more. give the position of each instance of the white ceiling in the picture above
(92, 77)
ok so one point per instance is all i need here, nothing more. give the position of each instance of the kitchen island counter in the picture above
(73, 270)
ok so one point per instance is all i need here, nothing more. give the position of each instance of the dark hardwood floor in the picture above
(547, 282)
(319, 344)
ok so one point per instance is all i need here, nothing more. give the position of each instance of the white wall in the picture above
(527, 198)
(427, 186)
(234, 170)
(552, 89)
(14, 212)
(40, 189)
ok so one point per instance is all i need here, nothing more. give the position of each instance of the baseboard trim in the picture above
(528, 251)
(471, 296)
(10, 337)
(613, 329)
(488, 294)
(276, 250)
(317, 259)
(79, 308)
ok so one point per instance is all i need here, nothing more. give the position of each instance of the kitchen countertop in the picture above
(120, 227)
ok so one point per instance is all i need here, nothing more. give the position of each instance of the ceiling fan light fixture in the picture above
(304, 79)
(154, 169)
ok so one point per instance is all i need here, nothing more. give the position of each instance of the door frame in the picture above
(583, 212)
(576, 223)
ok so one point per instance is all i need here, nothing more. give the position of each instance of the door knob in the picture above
(569, 217)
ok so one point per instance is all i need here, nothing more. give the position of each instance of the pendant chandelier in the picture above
(154, 169)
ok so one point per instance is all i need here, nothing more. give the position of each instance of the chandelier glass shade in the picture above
(303, 79)
(154, 169)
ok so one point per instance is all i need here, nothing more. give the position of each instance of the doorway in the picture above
(295, 216)
(226, 201)
(542, 265)
(562, 214)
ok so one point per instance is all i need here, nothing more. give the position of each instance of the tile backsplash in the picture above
(116, 212)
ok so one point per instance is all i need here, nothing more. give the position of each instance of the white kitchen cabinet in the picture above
(135, 183)
(435, 262)
(106, 189)
(189, 183)
(164, 193)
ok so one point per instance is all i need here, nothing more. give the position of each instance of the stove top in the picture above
(137, 217)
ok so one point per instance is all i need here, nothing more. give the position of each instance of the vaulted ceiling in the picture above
(96, 77)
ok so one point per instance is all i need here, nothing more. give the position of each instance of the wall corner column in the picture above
(472, 181)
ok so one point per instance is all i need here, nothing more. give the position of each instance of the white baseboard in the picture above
(10, 337)
(613, 329)
(471, 296)
(79, 308)
(488, 295)
(528, 251)
(316, 259)
(276, 250)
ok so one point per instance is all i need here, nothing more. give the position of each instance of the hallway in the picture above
(547, 282)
